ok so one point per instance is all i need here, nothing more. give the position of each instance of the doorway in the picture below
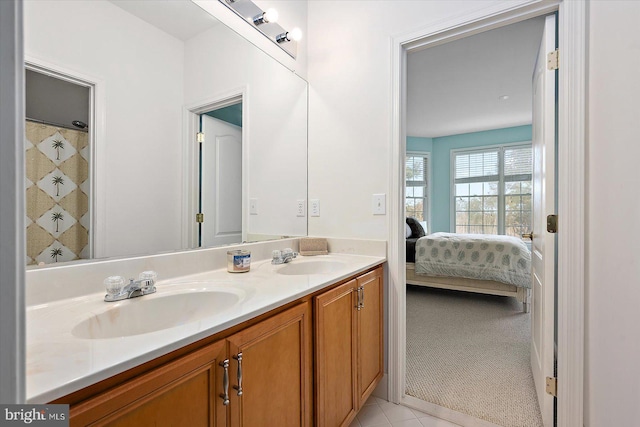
(469, 107)
(215, 163)
(571, 194)
(220, 176)
(59, 152)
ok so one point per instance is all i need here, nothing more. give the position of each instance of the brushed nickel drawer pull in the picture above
(238, 387)
(225, 382)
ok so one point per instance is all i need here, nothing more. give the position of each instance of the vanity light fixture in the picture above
(294, 34)
(265, 23)
(271, 15)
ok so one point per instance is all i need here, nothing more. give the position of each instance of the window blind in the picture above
(477, 166)
(518, 164)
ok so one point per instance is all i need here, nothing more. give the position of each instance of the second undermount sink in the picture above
(311, 267)
(154, 313)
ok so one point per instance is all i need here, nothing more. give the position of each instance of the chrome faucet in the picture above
(284, 256)
(117, 291)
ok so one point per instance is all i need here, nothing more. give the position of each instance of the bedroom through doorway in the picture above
(469, 174)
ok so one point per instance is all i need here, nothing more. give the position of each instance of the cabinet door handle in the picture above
(362, 297)
(225, 382)
(238, 387)
(359, 298)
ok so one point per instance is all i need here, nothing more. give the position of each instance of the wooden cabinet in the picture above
(259, 373)
(181, 393)
(348, 348)
(264, 373)
(277, 371)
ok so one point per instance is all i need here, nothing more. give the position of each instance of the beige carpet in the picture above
(470, 353)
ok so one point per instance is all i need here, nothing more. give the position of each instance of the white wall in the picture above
(12, 199)
(141, 68)
(612, 375)
(350, 116)
(349, 64)
(276, 123)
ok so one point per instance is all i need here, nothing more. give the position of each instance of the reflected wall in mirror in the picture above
(153, 68)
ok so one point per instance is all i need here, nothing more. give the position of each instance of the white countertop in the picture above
(59, 363)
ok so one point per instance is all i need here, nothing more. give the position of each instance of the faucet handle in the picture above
(149, 274)
(114, 284)
(148, 277)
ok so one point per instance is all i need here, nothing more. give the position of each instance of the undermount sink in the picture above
(154, 313)
(311, 267)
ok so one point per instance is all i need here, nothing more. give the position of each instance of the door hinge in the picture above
(199, 217)
(200, 137)
(552, 386)
(552, 60)
(552, 223)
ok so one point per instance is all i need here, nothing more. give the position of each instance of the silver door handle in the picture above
(360, 298)
(238, 387)
(225, 382)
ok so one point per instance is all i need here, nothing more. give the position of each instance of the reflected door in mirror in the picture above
(220, 182)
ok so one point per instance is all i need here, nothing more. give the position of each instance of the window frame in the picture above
(428, 187)
(501, 179)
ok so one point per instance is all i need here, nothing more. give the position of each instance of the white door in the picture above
(543, 244)
(221, 171)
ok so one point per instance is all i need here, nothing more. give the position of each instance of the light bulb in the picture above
(295, 34)
(271, 15)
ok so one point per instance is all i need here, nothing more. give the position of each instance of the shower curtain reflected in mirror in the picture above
(57, 193)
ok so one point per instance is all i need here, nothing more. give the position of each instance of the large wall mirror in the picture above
(126, 172)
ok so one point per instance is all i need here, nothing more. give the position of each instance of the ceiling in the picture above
(182, 19)
(456, 87)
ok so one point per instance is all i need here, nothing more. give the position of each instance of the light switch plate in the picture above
(300, 207)
(315, 207)
(379, 204)
(253, 206)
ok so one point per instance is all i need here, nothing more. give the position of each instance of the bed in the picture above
(480, 263)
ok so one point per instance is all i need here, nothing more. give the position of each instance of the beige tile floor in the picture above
(377, 412)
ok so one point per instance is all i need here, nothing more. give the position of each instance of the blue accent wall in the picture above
(440, 149)
(415, 143)
(231, 114)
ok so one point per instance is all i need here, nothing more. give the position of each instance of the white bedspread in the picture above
(504, 259)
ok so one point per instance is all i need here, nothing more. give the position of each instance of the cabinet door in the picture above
(183, 392)
(370, 334)
(275, 370)
(335, 356)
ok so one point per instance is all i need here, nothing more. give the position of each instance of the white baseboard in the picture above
(382, 389)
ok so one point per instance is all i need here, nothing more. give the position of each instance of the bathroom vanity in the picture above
(293, 344)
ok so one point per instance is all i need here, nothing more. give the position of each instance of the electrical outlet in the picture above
(315, 207)
(253, 206)
(379, 204)
(300, 207)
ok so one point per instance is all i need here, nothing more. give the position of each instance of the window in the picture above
(417, 187)
(492, 190)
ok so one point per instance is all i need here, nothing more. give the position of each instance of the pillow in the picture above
(407, 231)
(416, 228)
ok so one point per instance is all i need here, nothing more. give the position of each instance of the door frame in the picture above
(190, 128)
(97, 149)
(572, 36)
